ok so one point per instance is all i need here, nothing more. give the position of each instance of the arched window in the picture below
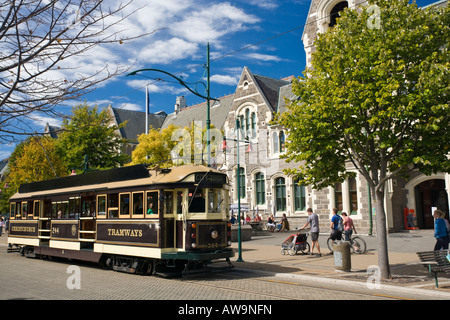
(334, 14)
(275, 142)
(260, 188)
(338, 200)
(299, 196)
(280, 193)
(282, 141)
(247, 122)
(253, 125)
(353, 193)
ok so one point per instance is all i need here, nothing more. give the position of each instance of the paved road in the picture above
(34, 279)
(25, 279)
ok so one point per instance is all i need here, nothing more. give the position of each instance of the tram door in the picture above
(168, 209)
(181, 207)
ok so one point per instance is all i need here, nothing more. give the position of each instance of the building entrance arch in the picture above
(425, 193)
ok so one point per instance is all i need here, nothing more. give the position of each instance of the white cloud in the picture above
(224, 79)
(41, 121)
(158, 87)
(167, 51)
(263, 57)
(265, 4)
(212, 22)
(130, 106)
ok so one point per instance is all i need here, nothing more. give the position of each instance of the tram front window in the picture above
(196, 200)
(215, 200)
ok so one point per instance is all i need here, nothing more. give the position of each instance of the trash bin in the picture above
(341, 254)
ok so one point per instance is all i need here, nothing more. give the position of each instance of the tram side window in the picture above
(138, 203)
(196, 200)
(24, 210)
(47, 209)
(30, 210)
(179, 202)
(74, 207)
(124, 209)
(37, 208)
(12, 210)
(87, 206)
(101, 206)
(60, 210)
(113, 205)
(152, 202)
(168, 202)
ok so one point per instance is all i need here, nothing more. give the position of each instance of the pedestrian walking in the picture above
(440, 231)
(336, 233)
(313, 221)
(2, 223)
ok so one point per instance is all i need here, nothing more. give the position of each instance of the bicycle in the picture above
(357, 244)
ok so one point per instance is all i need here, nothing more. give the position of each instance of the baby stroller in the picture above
(295, 243)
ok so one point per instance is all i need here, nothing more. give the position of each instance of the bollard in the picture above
(341, 254)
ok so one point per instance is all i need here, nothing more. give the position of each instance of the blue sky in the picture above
(179, 47)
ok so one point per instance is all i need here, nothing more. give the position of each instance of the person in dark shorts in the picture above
(313, 221)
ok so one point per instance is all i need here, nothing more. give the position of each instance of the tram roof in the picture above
(124, 177)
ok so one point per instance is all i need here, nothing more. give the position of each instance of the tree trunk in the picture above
(383, 257)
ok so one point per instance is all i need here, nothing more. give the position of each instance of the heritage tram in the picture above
(130, 219)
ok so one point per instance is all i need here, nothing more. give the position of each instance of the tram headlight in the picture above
(214, 234)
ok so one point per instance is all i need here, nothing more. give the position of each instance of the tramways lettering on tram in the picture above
(125, 232)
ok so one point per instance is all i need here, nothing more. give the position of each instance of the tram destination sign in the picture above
(215, 178)
(23, 229)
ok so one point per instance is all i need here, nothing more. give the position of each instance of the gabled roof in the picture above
(218, 114)
(270, 88)
(136, 122)
(285, 92)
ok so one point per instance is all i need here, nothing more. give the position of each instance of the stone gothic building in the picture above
(264, 188)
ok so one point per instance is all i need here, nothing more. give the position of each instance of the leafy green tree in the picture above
(91, 133)
(376, 98)
(35, 159)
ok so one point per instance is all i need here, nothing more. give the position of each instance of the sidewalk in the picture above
(408, 274)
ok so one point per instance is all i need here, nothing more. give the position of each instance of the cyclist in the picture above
(336, 233)
(349, 227)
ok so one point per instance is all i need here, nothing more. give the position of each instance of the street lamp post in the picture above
(238, 169)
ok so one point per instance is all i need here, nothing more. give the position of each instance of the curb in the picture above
(381, 288)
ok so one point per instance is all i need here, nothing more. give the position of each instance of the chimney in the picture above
(180, 104)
